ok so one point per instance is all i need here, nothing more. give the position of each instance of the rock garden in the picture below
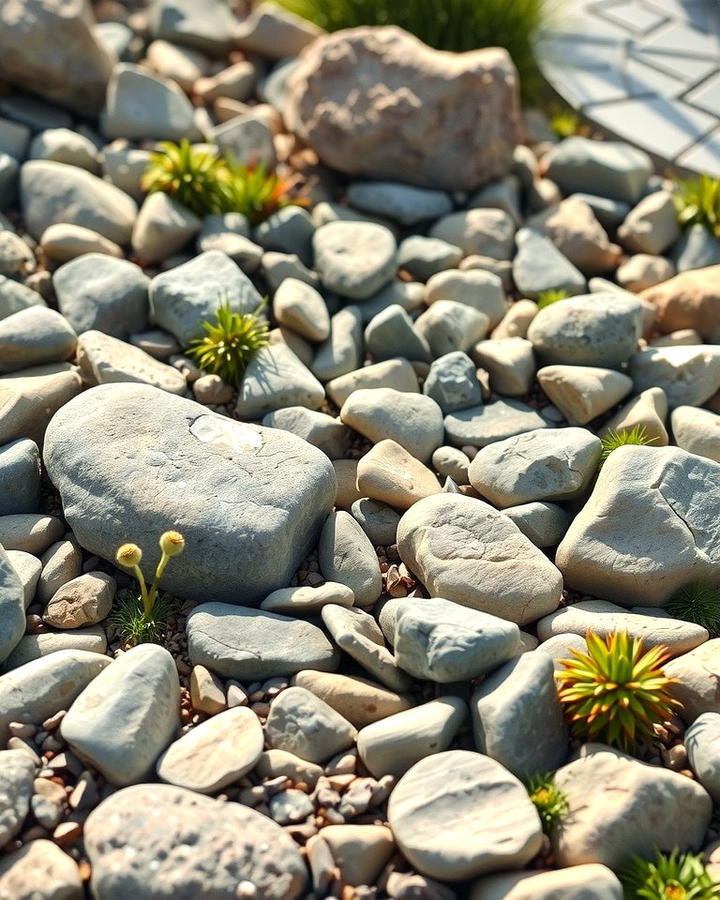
(359, 471)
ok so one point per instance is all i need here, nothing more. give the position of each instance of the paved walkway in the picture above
(645, 71)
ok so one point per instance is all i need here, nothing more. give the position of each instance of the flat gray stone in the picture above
(342, 351)
(183, 444)
(209, 30)
(97, 292)
(52, 192)
(404, 203)
(378, 520)
(408, 294)
(696, 249)
(289, 230)
(517, 717)
(188, 295)
(33, 646)
(465, 551)
(539, 266)
(29, 399)
(141, 690)
(479, 426)
(301, 723)
(17, 772)
(392, 373)
(424, 257)
(584, 882)
(253, 645)
(347, 556)
(478, 288)
(65, 146)
(354, 259)
(106, 360)
(12, 606)
(440, 641)
(15, 296)
(702, 742)
(391, 333)
(484, 232)
(19, 468)
(545, 524)
(450, 325)
(457, 814)
(307, 601)
(302, 309)
(697, 675)
(276, 379)
(614, 169)
(28, 568)
(133, 852)
(318, 429)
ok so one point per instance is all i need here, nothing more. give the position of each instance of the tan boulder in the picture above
(689, 300)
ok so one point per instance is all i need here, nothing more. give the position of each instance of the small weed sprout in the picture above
(549, 800)
(624, 437)
(547, 298)
(698, 603)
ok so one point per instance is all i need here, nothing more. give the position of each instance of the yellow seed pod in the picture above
(129, 555)
(172, 543)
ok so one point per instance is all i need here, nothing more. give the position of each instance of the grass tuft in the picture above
(637, 435)
(131, 623)
(698, 603)
(547, 298)
(549, 800)
(669, 876)
(697, 201)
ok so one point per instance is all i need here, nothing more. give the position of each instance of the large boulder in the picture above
(378, 102)
(241, 495)
(50, 48)
(649, 527)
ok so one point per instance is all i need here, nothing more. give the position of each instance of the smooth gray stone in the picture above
(34, 646)
(318, 429)
(224, 223)
(609, 213)
(479, 426)
(424, 257)
(33, 337)
(28, 109)
(289, 230)
(19, 477)
(347, 556)
(14, 138)
(561, 646)
(277, 267)
(15, 296)
(610, 325)
(209, 28)
(391, 333)
(450, 325)
(247, 139)
(9, 176)
(142, 106)
(52, 192)
(28, 568)
(98, 292)
(404, 203)
(696, 249)
(303, 724)
(124, 167)
(408, 294)
(229, 843)
(12, 607)
(539, 266)
(188, 295)
(615, 170)
(251, 645)
(441, 641)
(65, 146)
(587, 881)
(452, 383)
(377, 520)
(342, 352)
(481, 232)
(702, 742)
(17, 772)
(517, 717)
(117, 39)
(354, 259)
(218, 477)
(451, 463)
(276, 379)
(40, 688)
(545, 524)
(141, 690)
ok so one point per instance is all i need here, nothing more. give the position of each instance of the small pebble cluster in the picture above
(401, 520)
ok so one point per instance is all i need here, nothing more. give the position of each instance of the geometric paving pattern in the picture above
(644, 71)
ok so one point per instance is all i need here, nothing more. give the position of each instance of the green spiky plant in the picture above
(697, 201)
(548, 799)
(624, 437)
(699, 603)
(565, 122)
(547, 298)
(616, 692)
(257, 193)
(669, 876)
(142, 618)
(191, 175)
(455, 25)
(230, 342)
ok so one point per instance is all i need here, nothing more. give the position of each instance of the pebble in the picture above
(20, 467)
(62, 242)
(17, 772)
(642, 271)
(85, 600)
(105, 360)
(61, 562)
(477, 288)
(701, 741)
(308, 601)
(616, 170)
(582, 393)
(449, 325)
(359, 851)
(388, 473)
(302, 309)
(206, 691)
(697, 672)
(452, 383)
(342, 351)
(303, 724)
(393, 744)
(40, 870)
(358, 700)
(391, 333)
(276, 379)
(483, 232)
(647, 410)
(697, 431)
(510, 362)
(139, 689)
(163, 227)
(27, 567)
(31, 532)
(377, 520)
(290, 806)
(347, 556)
(422, 257)
(15, 296)
(457, 814)
(590, 881)
(289, 230)
(539, 266)
(396, 374)
(545, 524)
(404, 203)
(34, 336)
(211, 390)
(688, 375)
(214, 754)
(354, 259)
(482, 425)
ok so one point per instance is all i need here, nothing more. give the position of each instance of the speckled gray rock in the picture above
(539, 266)
(547, 464)
(391, 333)
(479, 426)
(40, 870)
(342, 351)
(19, 467)
(98, 292)
(602, 618)
(545, 524)
(459, 814)
(183, 444)
(584, 882)
(695, 430)
(40, 688)
(33, 646)
(688, 375)
(662, 491)
(702, 742)
(52, 192)
(593, 330)
(186, 296)
(465, 551)
(15, 296)
(136, 854)
(485, 232)
(517, 717)
(276, 379)
(250, 645)
(318, 429)
(404, 203)
(139, 689)
(347, 556)
(301, 723)
(395, 743)
(354, 259)
(615, 170)
(12, 607)
(289, 230)
(652, 809)
(697, 674)
(450, 325)
(423, 257)
(437, 640)
(17, 771)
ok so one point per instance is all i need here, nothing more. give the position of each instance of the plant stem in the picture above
(158, 575)
(147, 603)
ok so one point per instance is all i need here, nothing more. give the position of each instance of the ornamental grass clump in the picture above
(624, 437)
(697, 201)
(230, 342)
(548, 799)
(616, 692)
(142, 618)
(698, 603)
(669, 876)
